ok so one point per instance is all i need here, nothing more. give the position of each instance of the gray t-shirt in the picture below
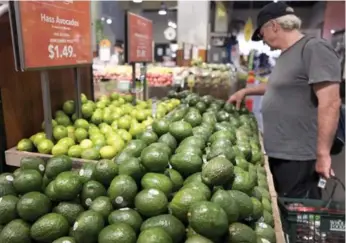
(289, 112)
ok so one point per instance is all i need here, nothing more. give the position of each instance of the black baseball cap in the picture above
(268, 12)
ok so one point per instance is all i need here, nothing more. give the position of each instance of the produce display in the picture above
(156, 76)
(106, 126)
(195, 176)
(211, 74)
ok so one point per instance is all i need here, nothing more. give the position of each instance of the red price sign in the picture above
(139, 38)
(54, 33)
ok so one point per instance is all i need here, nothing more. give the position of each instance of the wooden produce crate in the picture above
(13, 158)
(280, 237)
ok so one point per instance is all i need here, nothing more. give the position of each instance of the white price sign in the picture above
(56, 51)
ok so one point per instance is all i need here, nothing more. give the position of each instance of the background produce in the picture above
(196, 176)
(106, 126)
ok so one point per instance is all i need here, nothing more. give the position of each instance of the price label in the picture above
(140, 38)
(56, 51)
(53, 33)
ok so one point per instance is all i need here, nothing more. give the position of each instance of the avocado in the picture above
(217, 171)
(208, 219)
(154, 235)
(241, 233)
(119, 233)
(8, 210)
(244, 203)
(128, 216)
(186, 163)
(224, 200)
(173, 226)
(16, 231)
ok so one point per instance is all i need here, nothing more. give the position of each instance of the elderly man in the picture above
(301, 103)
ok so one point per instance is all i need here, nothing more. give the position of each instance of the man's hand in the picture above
(237, 98)
(324, 166)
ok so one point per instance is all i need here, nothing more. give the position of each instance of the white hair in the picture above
(289, 22)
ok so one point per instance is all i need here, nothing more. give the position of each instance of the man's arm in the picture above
(324, 72)
(257, 90)
(328, 115)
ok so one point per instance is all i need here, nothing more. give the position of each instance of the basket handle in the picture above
(337, 182)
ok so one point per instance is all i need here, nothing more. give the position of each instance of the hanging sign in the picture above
(248, 29)
(139, 39)
(53, 33)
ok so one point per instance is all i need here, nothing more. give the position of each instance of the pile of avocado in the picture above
(194, 176)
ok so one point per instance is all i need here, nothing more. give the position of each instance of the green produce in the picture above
(49, 227)
(70, 210)
(157, 181)
(33, 205)
(67, 186)
(192, 173)
(154, 159)
(244, 203)
(176, 179)
(102, 205)
(119, 233)
(186, 164)
(265, 231)
(198, 239)
(151, 202)
(122, 191)
(208, 219)
(182, 200)
(133, 168)
(127, 216)
(87, 227)
(58, 164)
(180, 130)
(154, 235)
(33, 163)
(241, 233)
(105, 171)
(27, 181)
(230, 206)
(90, 191)
(65, 239)
(217, 171)
(173, 226)
(8, 209)
(16, 231)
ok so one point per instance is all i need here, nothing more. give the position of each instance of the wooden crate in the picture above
(280, 236)
(13, 158)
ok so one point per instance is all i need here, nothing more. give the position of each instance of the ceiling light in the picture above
(109, 21)
(137, 1)
(275, 1)
(162, 12)
(332, 31)
(172, 24)
(102, 18)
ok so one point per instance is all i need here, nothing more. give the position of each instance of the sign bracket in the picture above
(47, 108)
(78, 102)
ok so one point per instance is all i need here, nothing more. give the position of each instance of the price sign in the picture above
(53, 33)
(139, 38)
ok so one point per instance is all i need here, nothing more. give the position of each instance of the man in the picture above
(301, 103)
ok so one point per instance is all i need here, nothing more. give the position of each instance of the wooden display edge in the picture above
(280, 236)
(13, 158)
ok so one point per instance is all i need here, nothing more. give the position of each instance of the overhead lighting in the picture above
(275, 1)
(102, 18)
(109, 21)
(172, 24)
(137, 1)
(332, 31)
(162, 10)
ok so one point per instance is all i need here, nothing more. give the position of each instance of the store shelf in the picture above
(280, 236)
(13, 158)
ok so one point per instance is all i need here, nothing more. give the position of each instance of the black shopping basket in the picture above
(307, 220)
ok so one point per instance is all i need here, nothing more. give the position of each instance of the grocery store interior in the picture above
(114, 124)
